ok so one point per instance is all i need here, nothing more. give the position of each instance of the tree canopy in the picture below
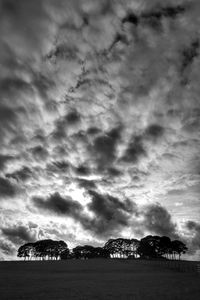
(149, 247)
(43, 249)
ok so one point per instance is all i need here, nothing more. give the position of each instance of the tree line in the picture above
(149, 247)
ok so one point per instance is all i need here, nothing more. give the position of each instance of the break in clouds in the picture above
(99, 120)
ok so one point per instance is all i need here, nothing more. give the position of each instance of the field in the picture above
(95, 279)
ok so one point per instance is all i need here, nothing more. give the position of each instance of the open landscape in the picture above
(97, 279)
(99, 150)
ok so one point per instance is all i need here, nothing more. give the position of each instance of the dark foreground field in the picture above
(95, 279)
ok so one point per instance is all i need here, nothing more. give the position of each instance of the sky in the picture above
(99, 121)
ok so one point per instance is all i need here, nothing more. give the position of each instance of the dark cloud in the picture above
(104, 147)
(134, 151)
(154, 16)
(111, 214)
(23, 174)
(43, 84)
(131, 18)
(93, 130)
(7, 247)
(114, 172)
(154, 132)
(19, 234)
(136, 148)
(39, 153)
(83, 170)
(194, 229)
(73, 117)
(59, 166)
(8, 121)
(87, 184)
(32, 225)
(62, 51)
(158, 220)
(189, 54)
(60, 130)
(56, 204)
(13, 85)
(170, 12)
(7, 189)
(62, 165)
(62, 124)
(39, 137)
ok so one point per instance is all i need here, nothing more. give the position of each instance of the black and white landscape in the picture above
(99, 122)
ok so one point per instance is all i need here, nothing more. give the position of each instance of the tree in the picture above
(121, 248)
(88, 252)
(134, 245)
(43, 249)
(150, 247)
(65, 254)
(165, 246)
(26, 251)
(178, 248)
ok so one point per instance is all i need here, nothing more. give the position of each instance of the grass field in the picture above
(95, 279)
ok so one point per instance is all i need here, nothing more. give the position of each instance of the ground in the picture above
(95, 279)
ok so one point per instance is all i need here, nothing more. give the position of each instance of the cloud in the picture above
(154, 15)
(159, 221)
(39, 153)
(7, 248)
(93, 130)
(4, 159)
(194, 228)
(134, 151)
(154, 132)
(104, 147)
(82, 170)
(8, 121)
(111, 214)
(73, 117)
(114, 172)
(59, 166)
(23, 174)
(188, 56)
(57, 204)
(7, 189)
(19, 234)
(87, 184)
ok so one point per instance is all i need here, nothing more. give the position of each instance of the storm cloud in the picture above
(158, 220)
(22, 174)
(7, 189)
(18, 234)
(194, 227)
(57, 204)
(110, 214)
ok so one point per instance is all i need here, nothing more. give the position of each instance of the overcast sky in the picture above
(99, 121)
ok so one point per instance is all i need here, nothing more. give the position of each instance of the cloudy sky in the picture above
(99, 121)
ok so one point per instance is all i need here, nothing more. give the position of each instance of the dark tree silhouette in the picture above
(149, 247)
(153, 246)
(43, 249)
(65, 254)
(122, 248)
(178, 248)
(27, 251)
(87, 251)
